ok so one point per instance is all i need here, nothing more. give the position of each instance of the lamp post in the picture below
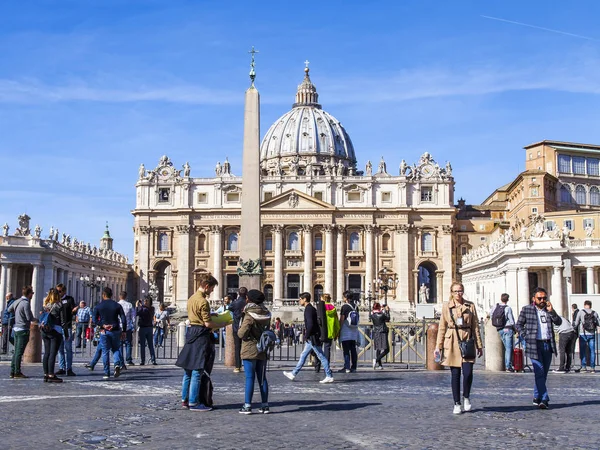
(93, 282)
(386, 281)
(153, 291)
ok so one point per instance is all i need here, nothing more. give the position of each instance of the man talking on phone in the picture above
(535, 323)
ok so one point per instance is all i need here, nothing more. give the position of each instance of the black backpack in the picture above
(589, 322)
(498, 317)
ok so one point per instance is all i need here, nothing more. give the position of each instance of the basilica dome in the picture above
(307, 140)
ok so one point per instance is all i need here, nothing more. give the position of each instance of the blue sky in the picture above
(90, 89)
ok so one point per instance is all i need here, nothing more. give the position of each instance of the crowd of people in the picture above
(110, 326)
(458, 342)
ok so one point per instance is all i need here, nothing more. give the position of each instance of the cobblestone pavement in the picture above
(382, 409)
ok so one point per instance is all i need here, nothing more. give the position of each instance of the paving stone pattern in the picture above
(370, 409)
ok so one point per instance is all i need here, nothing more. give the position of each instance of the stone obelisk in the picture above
(250, 266)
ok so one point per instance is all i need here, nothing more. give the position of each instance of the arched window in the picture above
(163, 241)
(293, 243)
(232, 242)
(268, 289)
(565, 194)
(594, 196)
(318, 242)
(385, 242)
(354, 242)
(427, 242)
(580, 195)
(201, 243)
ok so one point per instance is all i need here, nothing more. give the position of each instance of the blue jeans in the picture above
(308, 347)
(145, 337)
(256, 368)
(159, 334)
(350, 355)
(97, 356)
(507, 340)
(110, 341)
(127, 345)
(80, 334)
(587, 341)
(190, 386)
(65, 352)
(541, 366)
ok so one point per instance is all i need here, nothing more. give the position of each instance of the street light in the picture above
(93, 282)
(386, 281)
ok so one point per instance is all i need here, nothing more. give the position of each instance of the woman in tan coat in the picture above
(459, 318)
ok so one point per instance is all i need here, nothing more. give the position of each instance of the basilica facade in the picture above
(326, 225)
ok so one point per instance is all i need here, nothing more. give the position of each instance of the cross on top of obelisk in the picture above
(252, 72)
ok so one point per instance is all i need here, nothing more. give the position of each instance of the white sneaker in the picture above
(457, 409)
(327, 380)
(374, 364)
(290, 375)
(467, 404)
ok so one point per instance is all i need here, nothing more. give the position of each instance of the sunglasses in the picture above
(458, 292)
(541, 298)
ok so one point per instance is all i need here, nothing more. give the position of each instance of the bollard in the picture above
(181, 330)
(33, 351)
(229, 347)
(494, 349)
(432, 332)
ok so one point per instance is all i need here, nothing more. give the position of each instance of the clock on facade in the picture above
(427, 170)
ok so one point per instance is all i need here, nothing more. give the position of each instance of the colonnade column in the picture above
(38, 296)
(511, 287)
(278, 282)
(557, 291)
(4, 288)
(340, 263)
(401, 264)
(369, 272)
(590, 280)
(217, 251)
(308, 258)
(329, 244)
(522, 287)
(183, 288)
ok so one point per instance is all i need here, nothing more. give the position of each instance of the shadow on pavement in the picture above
(508, 409)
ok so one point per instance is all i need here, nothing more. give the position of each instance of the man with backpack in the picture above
(349, 319)
(8, 321)
(504, 321)
(21, 309)
(586, 322)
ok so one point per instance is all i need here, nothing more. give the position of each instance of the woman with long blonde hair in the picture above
(52, 335)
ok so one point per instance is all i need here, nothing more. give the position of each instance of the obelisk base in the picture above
(250, 281)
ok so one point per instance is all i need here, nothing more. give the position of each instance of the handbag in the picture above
(467, 346)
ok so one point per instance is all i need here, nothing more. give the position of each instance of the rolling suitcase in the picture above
(518, 359)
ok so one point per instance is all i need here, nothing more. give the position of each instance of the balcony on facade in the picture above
(355, 254)
(163, 254)
(231, 254)
(293, 253)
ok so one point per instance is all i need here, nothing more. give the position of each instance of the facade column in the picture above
(9, 282)
(557, 291)
(447, 252)
(143, 260)
(308, 258)
(523, 297)
(440, 283)
(340, 263)
(329, 245)
(278, 279)
(184, 286)
(217, 233)
(369, 273)
(589, 280)
(416, 286)
(401, 262)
